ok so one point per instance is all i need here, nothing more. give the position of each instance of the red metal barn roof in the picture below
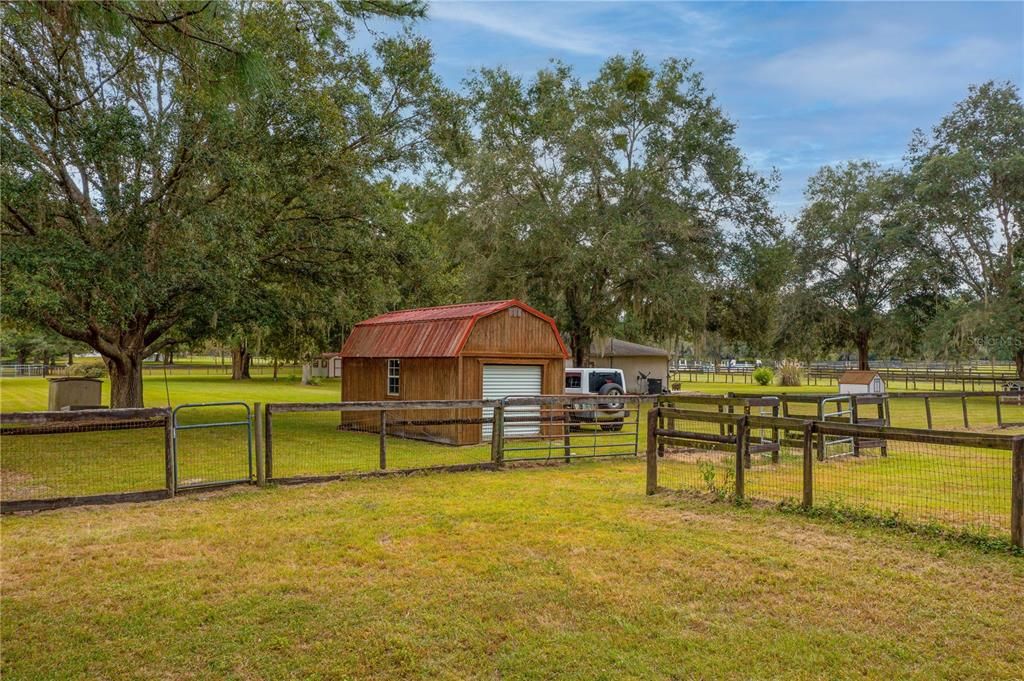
(428, 331)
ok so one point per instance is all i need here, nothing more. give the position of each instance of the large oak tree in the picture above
(162, 158)
(606, 201)
(969, 197)
(856, 254)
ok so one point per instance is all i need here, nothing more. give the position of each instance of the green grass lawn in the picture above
(567, 572)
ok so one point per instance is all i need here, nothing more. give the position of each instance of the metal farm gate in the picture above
(212, 444)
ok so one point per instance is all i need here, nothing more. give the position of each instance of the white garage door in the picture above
(506, 380)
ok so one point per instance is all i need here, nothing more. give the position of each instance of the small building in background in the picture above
(327, 365)
(645, 367)
(861, 382)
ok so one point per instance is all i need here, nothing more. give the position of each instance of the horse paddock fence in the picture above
(962, 481)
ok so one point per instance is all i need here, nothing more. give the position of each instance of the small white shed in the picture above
(328, 365)
(861, 382)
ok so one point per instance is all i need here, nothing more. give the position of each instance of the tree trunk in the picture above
(580, 347)
(125, 380)
(1018, 360)
(169, 356)
(71, 358)
(275, 368)
(240, 360)
(862, 350)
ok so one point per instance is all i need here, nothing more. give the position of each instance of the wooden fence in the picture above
(972, 481)
(791, 404)
(97, 456)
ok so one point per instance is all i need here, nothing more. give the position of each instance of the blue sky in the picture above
(807, 83)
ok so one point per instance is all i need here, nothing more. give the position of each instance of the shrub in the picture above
(89, 368)
(789, 374)
(764, 375)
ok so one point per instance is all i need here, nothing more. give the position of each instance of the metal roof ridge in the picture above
(381, 318)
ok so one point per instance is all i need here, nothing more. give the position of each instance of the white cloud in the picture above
(596, 28)
(531, 22)
(883, 65)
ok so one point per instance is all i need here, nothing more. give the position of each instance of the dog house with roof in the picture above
(860, 382)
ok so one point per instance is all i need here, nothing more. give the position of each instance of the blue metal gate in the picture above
(212, 444)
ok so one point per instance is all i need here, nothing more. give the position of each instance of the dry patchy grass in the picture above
(534, 573)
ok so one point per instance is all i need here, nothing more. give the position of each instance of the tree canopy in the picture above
(604, 202)
(162, 158)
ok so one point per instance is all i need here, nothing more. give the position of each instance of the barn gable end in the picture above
(514, 332)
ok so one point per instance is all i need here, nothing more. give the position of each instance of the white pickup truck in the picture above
(608, 410)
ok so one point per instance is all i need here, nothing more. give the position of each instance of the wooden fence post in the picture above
(741, 450)
(268, 443)
(1017, 494)
(383, 439)
(856, 418)
(652, 450)
(999, 409)
(261, 471)
(928, 411)
(963, 400)
(821, 438)
(808, 464)
(497, 435)
(566, 433)
(776, 437)
(170, 479)
(660, 424)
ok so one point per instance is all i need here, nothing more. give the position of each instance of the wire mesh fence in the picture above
(963, 481)
(49, 456)
(329, 440)
(696, 451)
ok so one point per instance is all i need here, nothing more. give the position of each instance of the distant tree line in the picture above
(185, 172)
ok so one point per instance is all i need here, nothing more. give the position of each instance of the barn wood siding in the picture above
(502, 334)
(422, 378)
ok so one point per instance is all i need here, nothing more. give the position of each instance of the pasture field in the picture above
(523, 574)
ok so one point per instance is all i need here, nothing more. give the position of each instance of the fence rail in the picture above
(963, 481)
(914, 409)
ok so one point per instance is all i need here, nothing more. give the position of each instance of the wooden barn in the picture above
(472, 351)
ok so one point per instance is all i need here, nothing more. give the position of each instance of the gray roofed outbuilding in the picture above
(612, 347)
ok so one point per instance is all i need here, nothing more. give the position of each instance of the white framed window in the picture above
(394, 376)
